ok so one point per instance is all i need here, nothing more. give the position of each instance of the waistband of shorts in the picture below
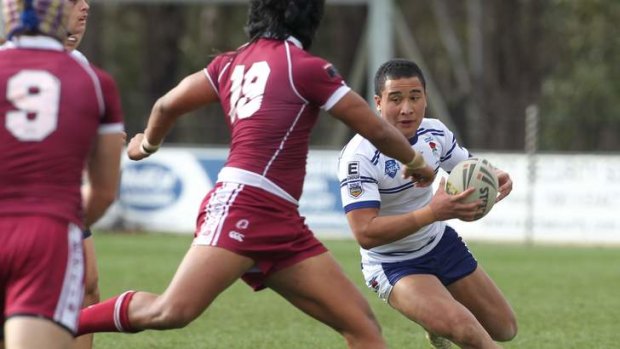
(237, 175)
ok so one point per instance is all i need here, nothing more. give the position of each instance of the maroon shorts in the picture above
(256, 224)
(41, 269)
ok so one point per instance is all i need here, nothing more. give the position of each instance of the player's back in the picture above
(50, 111)
(271, 92)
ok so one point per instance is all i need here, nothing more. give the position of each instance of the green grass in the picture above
(564, 297)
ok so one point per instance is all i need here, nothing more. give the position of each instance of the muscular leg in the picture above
(91, 288)
(483, 298)
(20, 330)
(423, 299)
(320, 288)
(204, 273)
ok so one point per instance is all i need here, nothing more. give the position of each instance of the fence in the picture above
(573, 199)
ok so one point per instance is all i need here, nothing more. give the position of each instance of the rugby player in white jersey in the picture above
(271, 91)
(410, 257)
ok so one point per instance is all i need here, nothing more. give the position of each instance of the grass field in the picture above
(564, 297)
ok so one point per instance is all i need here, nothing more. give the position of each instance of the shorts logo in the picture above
(242, 224)
(331, 71)
(374, 284)
(391, 168)
(236, 235)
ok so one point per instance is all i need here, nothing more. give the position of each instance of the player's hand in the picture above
(505, 184)
(134, 149)
(423, 177)
(446, 206)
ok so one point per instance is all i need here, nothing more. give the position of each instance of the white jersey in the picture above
(369, 179)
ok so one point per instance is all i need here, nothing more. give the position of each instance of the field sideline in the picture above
(564, 297)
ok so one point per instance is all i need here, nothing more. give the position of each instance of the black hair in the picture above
(278, 19)
(396, 69)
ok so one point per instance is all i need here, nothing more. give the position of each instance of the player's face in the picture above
(403, 104)
(78, 16)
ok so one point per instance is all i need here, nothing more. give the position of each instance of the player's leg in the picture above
(204, 273)
(425, 300)
(91, 285)
(319, 287)
(438, 342)
(44, 289)
(49, 335)
(483, 298)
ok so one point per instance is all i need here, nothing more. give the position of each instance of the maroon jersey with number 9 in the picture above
(51, 108)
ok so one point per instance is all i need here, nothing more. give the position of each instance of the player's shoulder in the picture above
(220, 61)
(303, 60)
(104, 79)
(358, 147)
(432, 123)
(433, 127)
(79, 56)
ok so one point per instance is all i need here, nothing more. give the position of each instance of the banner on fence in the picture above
(573, 199)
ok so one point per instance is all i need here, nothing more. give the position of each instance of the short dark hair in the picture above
(278, 19)
(396, 69)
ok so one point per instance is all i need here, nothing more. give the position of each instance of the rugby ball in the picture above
(479, 174)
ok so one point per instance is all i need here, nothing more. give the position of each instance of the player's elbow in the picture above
(104, 196)
(365, 240)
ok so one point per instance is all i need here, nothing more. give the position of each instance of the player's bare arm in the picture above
(355, 113)
(103, 170)
(372, 230)
(191, 93)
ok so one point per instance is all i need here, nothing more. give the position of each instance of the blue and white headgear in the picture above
(47, 17)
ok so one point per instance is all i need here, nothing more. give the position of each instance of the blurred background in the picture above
(486, 62)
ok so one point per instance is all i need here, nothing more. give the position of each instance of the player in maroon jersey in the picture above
(76, 26)
(249, 227)
(56, 115)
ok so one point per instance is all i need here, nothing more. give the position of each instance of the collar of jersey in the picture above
(38, 42)
(413, 140)
(295, 41)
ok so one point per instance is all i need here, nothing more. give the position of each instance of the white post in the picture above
(531, 147)
(380, 39)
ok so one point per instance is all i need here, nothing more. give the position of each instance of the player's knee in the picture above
(463, 330)
(507, 331)
(91, 291)
(172, 316)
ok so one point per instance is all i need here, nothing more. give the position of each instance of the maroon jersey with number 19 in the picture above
(271, 92)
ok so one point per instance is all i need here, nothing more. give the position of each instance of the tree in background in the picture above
(490, 59)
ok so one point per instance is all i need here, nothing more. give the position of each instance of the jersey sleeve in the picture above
(214, 70)
(319, 82)
(452, 152)
(112, 118)
(359, 186)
